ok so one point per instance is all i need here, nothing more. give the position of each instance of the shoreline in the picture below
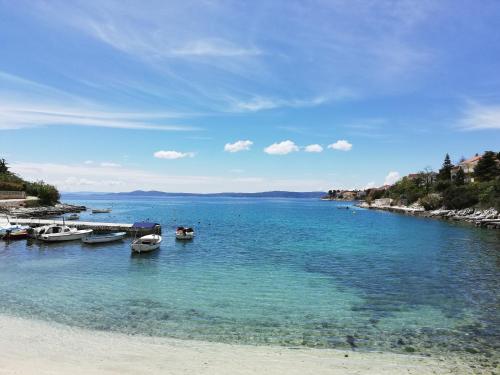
(37, 347)
(489, 218)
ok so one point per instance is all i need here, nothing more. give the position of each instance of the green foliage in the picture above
(458, 197)
(408, 190)
(4, 168)
(445, 171)
(431, 201)
(47, 194)
(459, 177)
(487, 168)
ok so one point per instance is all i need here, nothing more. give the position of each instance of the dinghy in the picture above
(104, 238)
(146, 243)
(101, 210)
(182, 233)
(15, 234)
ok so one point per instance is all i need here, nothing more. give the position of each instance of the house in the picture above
(468, 166)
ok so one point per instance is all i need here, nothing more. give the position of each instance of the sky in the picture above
(218, 96)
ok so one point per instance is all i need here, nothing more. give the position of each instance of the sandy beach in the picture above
(35, 347)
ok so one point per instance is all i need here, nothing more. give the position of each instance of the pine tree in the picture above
(487, 168)
(445, 171)
(460, 177)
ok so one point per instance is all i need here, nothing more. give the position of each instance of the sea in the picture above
(270, 271)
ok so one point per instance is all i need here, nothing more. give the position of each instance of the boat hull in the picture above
(146, 244)
(60, 237)
(104, 239)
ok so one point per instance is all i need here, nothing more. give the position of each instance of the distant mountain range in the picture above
(154, 193)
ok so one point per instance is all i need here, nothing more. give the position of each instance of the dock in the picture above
(94, 225)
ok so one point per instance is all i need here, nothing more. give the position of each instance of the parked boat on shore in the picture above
(110, 237)
(146, 244)
(183, 233)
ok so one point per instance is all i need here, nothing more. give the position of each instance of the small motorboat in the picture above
(16, 234)
(182, 233)
(64, 233)
(101, 210)
(73, 217)
(104, 238)
(146, 243)
(12, 228)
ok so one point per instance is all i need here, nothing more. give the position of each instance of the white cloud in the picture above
(171, 155)
(88, 162)
(481, 117)
(238, 146)
(370, 185)
(313, 148)
(341, 145)
(281, 148)
(391, 178)
(108, 164)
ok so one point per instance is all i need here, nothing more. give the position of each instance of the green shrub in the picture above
(431, 201)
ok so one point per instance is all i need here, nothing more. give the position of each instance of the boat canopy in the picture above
(144, 225)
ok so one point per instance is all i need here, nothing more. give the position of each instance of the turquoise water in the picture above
(293, 272)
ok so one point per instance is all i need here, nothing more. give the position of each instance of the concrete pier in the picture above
(96, 226)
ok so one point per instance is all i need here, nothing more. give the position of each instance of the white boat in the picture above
(65, 234)
(146, 243)
(101, 210)
(73, 217)
(104, 238)
(182, 233)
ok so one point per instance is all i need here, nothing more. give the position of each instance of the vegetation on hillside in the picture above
(446, 189)
(47, 194)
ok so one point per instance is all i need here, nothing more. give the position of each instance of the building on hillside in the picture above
(468, 166)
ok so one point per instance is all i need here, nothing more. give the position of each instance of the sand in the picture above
(35, 347)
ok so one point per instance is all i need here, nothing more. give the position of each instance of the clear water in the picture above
(293, 272)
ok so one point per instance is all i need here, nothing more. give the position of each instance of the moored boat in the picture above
(101, 210)
(104, 238)
(10, 228)
(182, 233)
(146, 243)
(65, 234)
(73, 217)
(15, 234)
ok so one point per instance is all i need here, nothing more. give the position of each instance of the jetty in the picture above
(141, 227)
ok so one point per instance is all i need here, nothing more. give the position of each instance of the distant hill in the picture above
(154, 193)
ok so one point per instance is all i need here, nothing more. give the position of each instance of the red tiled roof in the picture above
(471, 160)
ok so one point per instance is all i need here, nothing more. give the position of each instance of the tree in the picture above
(460, 177)
(445, 171)
(487, 168)
(4, 168)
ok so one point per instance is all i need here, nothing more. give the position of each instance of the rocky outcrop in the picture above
(488, 218)
(43, 211)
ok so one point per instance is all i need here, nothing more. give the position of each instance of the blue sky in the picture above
(211, 96)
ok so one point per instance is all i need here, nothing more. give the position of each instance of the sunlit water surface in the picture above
(295, 272)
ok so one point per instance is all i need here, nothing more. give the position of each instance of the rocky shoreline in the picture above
(42, 211)
(485, 218)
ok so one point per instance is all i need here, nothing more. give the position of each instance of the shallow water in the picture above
(293, 272)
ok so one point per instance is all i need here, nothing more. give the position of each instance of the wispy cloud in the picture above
(25, 103)
(108, 164)
(281, 148)
(481, 117)
(214, 48)
(172, 155)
